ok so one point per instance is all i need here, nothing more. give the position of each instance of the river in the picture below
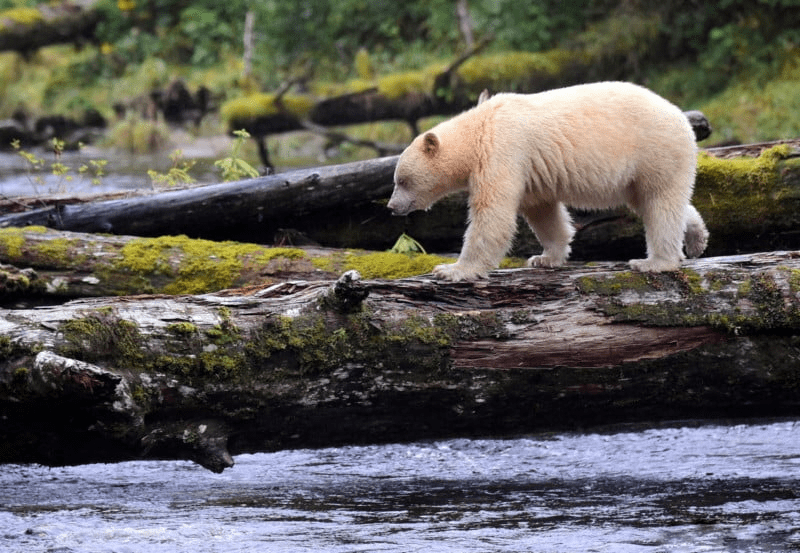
(683, 488)
(20, 178)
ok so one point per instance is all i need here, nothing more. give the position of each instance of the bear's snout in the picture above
(400, 204)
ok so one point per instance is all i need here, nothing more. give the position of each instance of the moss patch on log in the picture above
(21, 15)
(264, 105)
(101, 336)
(747, 192)
(388, 265)
(756, 302)
(201, 266)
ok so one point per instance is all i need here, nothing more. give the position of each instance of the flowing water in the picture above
(693, 488)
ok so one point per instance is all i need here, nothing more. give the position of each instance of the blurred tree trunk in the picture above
(249, 44)
(464, 22)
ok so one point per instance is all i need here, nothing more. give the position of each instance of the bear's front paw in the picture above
(545, 260)
(455, 272)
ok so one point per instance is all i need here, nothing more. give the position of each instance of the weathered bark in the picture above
(305, 363)
(26, 30)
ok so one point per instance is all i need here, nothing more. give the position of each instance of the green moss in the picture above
(182, 329)
(140, 396)
(691, 280)
(21, 15)
(59, 252)
(263, 105)
(205, 366)
(509, 70)
(203, 265)
(101, 336)
(304, 345)
(11, 242)
(398, 85)
(225, 332)
(731, 193)
(381, 264)
(611, 285)
(744, 288)
(512, 262)
(316, 343)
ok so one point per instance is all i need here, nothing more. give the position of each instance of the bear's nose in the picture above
(398, 207)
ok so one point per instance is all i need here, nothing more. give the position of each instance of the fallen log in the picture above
(248, 205)
(26, 29)
(311, 363)
(59, 265)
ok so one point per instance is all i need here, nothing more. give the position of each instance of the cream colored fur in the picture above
(588, 146)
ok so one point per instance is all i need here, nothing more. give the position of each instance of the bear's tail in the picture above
(695, 235)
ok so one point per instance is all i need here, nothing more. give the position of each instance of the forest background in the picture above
(738, 61)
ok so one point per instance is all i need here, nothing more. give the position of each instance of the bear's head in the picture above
(425, 173)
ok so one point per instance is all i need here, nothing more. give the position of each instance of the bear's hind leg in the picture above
(552, 225)
(695, 236)
(664, 224)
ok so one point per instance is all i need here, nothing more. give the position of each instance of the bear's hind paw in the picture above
(545, 260)
(653, 265)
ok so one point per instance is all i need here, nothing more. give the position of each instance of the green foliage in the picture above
(535, 26)
(299, 31)
(234, 167)
(37, 166)
(177, 174)
(197, 32)
(406, 244)
(689, 52)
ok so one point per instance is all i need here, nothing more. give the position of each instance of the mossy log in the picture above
(313, 363)
(44, 265)
(26, 29)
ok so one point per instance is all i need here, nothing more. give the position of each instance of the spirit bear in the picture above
(588, 146)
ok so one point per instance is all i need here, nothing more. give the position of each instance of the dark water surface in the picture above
(706, 488)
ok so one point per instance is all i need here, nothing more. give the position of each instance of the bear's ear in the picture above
(483, 97)
(430, 144)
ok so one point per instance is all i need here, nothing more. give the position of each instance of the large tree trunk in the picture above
(308, 363)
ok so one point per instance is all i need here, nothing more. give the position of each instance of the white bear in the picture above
(589, 146)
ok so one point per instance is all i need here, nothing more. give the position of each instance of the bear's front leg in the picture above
(486, 241)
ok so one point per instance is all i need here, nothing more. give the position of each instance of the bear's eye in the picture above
(401, 181)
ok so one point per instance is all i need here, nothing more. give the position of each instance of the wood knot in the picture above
(348, 293)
